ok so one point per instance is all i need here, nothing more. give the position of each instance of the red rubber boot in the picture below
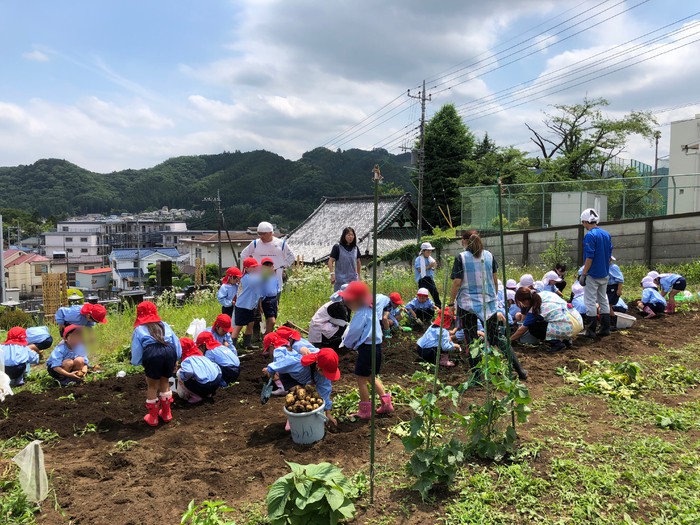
(152, 417)
(387, 407)
(165, 412)
(364, 410)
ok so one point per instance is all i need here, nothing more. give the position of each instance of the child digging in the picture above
(17, 355)
(358, 298)
(68, 363)
(155, 346)
(198, 376)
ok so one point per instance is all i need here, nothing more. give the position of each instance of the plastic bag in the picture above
(32, 476)
(197, 326)
(5, 389)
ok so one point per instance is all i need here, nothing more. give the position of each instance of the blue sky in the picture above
(111, 85)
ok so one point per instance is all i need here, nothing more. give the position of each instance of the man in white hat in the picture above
(424, 268)
(597, 251)
(267, 245)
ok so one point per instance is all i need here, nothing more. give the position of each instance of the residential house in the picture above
(95, 279)
(684, 166)
(397, 217)
(207, 247)
(130, 266)
(23, 271)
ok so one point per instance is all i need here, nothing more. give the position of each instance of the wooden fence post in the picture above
(526, 247)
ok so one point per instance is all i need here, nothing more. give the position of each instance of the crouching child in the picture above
(225, 357)
(432, 340)
(17, 355)
(68, 363)
(198, 377)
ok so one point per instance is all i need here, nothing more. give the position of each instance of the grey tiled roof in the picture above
(314, 238)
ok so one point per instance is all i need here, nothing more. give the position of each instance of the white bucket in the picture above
(307, 427)
(624, 320)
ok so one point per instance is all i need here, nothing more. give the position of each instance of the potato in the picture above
(289, 398)
(301, 393)
(315, 406)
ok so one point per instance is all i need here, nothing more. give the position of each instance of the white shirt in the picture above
(277, 249)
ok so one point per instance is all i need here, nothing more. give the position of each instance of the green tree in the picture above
(449, 145)
(579, 140)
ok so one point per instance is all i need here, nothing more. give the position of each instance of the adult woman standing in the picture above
(548, 319)
(344, 262)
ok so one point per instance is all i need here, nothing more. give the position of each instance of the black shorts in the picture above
(159, 361)
(657, 308)
(228, 310)
(288, 382)
(203, 389)
(611, 291)
(46, 343)
(427, 354)
(15, 371)
(363, 364)
(679, 285)
(243, 316)
(230, 373)
(269, 306)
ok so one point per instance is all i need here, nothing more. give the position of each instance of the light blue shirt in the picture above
(226, 294)
(249, 291)
(141, 339)
(37, 334)
(287, 362)
(544, 287)
(615, 275)
(667, 281)
(652, 296)
(383, 303)
(200, 369)
(297, 345)
(17, 355)
(579, 305)
(621, 304)
(414, 304)
(512, 310)
(67, 315)
(223, 356)
(431, 337)
(226, 338)
(394, 315)
(429, 272)
(270, 286)
(62, 352)
(359, 330)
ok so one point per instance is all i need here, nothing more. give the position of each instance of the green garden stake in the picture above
(377, 177)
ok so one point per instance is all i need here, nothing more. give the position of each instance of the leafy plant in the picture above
(621, 380)
(677, 378)
(15, 508)
(310, 494)
(90, 428)
(206, 513)
(12, 318)
(125, 445)
(556, 253)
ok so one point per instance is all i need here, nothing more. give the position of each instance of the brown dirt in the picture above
(233, 448)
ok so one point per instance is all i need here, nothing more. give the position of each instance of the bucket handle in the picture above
(322, 416)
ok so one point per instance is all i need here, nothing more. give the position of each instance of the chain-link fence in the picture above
(550, 204)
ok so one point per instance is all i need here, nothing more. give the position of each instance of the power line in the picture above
(351, 138)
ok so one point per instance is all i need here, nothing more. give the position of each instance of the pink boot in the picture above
(152, 417)
(364, 410)
(387, 407)
(650, 313)
(287, 428)
(445, 361)
(671, 306)
(165, 413)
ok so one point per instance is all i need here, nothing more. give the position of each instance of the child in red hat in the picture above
(228, 290)
(225, 357)
(87, 314)
(247, 302)
(432, 340)
(358, 298)
(17, 356)
(68, 363)
(155, 346)
(198, 376)
(221, 330)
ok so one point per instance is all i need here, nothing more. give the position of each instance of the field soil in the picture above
(233, 448)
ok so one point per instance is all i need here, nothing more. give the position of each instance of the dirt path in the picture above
(234, 448)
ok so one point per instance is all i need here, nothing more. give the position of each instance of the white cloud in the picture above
(36, 56)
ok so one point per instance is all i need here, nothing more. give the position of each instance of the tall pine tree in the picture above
(448, 146)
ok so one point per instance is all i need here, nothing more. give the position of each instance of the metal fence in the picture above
(549, 204)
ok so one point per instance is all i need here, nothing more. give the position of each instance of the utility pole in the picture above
(421, 156)
(217, 202)
(138, 252)
(657, 136)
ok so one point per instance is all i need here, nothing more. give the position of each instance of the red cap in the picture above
(250, 262)
(231, 272)
(396, 298)
(96, 311)
(274, 340)
(207, 339)
(70, 329)
(267, 260)
(327, 362)
(188, 348)
(223, 321)
(16, 336)
(445, 316)
(146, 312)
(287, 333)
(357, 291)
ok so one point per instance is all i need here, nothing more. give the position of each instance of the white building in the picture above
(130, 266)
(207, 247)
(684, 166)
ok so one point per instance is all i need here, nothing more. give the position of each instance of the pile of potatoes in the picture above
(303, 399)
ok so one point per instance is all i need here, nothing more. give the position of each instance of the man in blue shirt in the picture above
(597, 251)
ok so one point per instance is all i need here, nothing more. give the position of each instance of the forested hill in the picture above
(254, 186)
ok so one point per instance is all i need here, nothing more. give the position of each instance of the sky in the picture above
(122, 84)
